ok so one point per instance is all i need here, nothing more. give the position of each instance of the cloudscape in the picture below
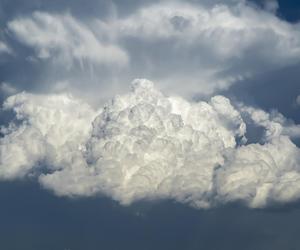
(143, 106)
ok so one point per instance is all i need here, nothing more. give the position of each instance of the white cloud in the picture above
(257, 173)
(206, 47)
(65, 39)
(274, 123)
(51, 128)
(145, 145)
(187, 48)
(228, 31)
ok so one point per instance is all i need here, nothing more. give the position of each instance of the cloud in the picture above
(65, 39)
(260, 174)
(275, 123)
(208, 47)
(271, 5)
(50, 127)
(186, 47)
(4, 48)
(7, 89)
(145, 145)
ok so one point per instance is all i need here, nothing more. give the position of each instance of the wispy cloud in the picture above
(65, 40)
(187, 48)
(4, 48)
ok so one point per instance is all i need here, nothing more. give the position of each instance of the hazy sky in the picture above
(149, 124)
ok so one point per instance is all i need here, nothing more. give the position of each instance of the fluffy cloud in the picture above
(145, 145)
(49, 129)
(65, 39)
(259, 174)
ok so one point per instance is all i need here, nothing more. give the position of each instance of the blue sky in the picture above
(149, 124)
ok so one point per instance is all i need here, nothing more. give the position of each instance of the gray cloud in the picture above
(298, 100)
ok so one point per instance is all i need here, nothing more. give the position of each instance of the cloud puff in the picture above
(65, 39)
(49, 129)
(145, 145)
(259, 174)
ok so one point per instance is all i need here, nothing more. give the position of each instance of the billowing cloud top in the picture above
(145, 145)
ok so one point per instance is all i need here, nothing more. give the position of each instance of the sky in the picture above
(149, 124)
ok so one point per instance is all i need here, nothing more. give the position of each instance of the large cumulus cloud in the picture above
(145, 145)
